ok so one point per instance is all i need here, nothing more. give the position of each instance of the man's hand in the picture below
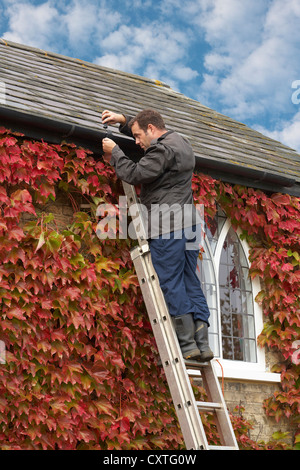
(108, 145)
(108, 117)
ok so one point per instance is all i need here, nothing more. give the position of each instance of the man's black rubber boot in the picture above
(185, 330)
(201, 338)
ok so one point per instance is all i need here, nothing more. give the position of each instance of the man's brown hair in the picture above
(146, 117)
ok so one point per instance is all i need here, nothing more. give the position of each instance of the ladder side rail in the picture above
(137, 219)
(214, 392)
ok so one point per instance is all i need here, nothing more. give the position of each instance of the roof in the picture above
(58, 88)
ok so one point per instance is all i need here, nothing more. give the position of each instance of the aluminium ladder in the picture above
(177, 370)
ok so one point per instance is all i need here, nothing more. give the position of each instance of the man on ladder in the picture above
(165, 174)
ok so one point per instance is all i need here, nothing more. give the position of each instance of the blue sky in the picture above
(239, 57)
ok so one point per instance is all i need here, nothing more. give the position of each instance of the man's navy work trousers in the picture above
(176, 267)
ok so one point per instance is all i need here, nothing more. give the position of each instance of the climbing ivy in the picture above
(81, 366)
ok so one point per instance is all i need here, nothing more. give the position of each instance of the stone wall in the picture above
(251, 395)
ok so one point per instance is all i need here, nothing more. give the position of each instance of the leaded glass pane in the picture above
(206, 274)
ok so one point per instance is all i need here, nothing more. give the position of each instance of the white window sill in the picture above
(243, 371)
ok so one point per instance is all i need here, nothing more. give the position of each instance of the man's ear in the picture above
(151, 128)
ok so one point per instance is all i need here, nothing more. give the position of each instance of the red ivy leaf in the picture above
(15, 312)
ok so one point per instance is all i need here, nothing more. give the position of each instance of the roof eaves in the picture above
(55, 131)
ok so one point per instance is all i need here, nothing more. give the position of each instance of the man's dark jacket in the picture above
(164, 173)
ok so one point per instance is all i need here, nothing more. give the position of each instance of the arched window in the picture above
(236, 302)
(236, 319)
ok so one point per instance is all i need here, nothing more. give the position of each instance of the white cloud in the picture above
(117, 39)
(31, 24)
(87, 20)
(154, 48)
(126, 62)
(79, 19)
(184, 74)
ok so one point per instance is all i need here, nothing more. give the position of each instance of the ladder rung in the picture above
(194, 374)
(222, 448)
(208, 406)
(195, 364)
